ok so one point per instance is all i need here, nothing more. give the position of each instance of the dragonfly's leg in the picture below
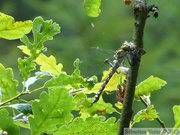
(108, 62)
(129, 57)
(111, 65)
(129, 60)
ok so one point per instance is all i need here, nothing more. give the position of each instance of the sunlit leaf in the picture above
(90, 126)
(7, 124)
(92, 7)
(25, 50)
(146, 114)
(42, 32)
(7, 83)
(53, 109)
(9, 29)
(26, 66)
(49, 64)
(69, 81)
(111, 86)
(119, 105)
(46, 63)
(64, 80)
(176, 111)
(149, 85)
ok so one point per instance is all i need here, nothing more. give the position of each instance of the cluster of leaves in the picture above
(61, 94)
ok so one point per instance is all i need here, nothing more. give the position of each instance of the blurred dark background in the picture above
(114, 25)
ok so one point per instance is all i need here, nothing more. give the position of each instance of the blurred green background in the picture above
(114, 25)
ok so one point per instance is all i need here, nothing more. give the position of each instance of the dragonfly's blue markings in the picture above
(125, 50)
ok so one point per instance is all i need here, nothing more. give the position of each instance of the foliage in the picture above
(92, 7)
(61, 94)
(13, 30)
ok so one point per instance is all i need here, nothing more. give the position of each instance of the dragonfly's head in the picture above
(128, 46)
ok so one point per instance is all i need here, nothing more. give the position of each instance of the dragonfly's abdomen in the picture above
(105, 82)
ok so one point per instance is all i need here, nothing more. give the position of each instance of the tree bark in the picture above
(140, 16)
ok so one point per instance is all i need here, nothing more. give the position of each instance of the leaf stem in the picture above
(35, 90)
(11, 99)
(19, 95)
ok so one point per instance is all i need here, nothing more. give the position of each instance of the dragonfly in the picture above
(127, 50)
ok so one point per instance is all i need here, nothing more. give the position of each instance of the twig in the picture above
(20, 94)
(11, 99)
(140, 13)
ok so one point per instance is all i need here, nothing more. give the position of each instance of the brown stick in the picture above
(140, 14)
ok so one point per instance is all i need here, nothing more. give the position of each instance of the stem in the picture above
(11, 99)
(140, 14)
(19, 95)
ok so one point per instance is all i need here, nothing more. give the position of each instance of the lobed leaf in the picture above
(90, 126)
(64, 80)
(176, 111)
(7, 84)
(7, 124)
(92, 7)
(146, 114)
(52, 110)
(84, 105)
(46, 63)
(9, 29)
(74, 80)
(42, 31)
(49, 64)
(149, 85)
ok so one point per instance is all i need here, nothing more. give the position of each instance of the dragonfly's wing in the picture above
(97, 68)
(97, 59)
(97, 54)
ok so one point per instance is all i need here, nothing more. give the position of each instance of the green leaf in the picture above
(9, 29)
(22, 107)
(46, 63)
(76, 65)
(86, 108)
(176, 111)
(6, 123)
(53, 109)
(7, 83)
(146, 114)
(149, 85)
(25, 67)
(49, 64)
(92, 7)
(75, 80)
(43, 31)
(90, 126)
(64, 80)
(111, 86)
